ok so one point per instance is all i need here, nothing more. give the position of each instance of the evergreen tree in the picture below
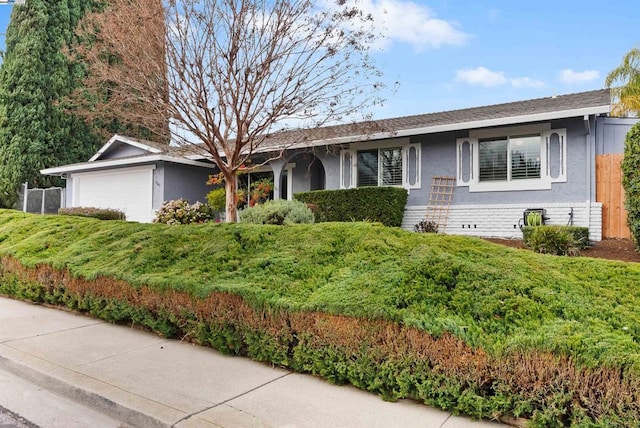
(631, 181)
(36, 129)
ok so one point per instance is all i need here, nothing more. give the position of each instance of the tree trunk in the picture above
(232, 191)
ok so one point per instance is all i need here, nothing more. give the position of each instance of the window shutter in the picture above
(555, 146)
(465, 171)
(347, 163)
(412, 166)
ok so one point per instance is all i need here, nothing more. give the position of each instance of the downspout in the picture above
(590, 165)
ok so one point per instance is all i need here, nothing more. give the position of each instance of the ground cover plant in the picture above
(456, 322)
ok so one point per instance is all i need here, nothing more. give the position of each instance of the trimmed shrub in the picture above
(631, 180)
(379, 204)
(179, 211)
(556, 240)
(99, 213)
(280, 212)
(580, 235)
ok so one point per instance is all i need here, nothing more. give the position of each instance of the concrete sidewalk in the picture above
(140, 379)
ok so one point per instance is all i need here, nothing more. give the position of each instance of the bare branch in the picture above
(224, 74)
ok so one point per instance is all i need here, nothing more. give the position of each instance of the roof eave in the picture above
(458, 126)
(95, 165)
(126, 140)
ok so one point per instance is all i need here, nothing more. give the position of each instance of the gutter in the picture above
(458, 126)
(96, 165)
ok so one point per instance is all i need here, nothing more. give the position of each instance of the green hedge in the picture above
(99, 213)
(631, 180)
(378, 204)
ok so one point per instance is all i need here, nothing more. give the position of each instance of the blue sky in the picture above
(449, 54)
(455, 54)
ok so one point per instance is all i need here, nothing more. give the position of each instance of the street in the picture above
(8, 419)
(27, 405)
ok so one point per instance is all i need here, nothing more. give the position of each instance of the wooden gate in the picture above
(610, 192)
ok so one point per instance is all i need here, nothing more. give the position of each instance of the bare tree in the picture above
(235, 72)
(124, 53)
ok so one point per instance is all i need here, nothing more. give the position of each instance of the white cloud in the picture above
(577, 77)
(412, 23)
(527, 82)
(482, 76)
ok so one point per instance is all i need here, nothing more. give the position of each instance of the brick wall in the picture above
(503, 221)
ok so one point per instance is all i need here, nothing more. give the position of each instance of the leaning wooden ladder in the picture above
(439, 200)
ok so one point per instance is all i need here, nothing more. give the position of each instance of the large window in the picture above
(493, 160)
(394, 162)
(510, 158)
(379, 167)
(529, 160)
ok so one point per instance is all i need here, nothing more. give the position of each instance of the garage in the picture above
(134, 177)
(127, 189)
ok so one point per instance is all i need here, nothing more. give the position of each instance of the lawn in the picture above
(457, 322)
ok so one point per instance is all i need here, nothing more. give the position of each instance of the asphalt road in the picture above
(26, 405)
(8, 419)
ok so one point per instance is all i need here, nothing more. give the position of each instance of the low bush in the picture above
(179, 211)
(217, 199)
(279, 212)
(99, 213)
(376, 204)
(580, 236)
(425, 226)
(556, 240)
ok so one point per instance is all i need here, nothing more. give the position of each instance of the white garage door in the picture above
(126, 189)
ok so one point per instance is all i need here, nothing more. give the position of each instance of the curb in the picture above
(113, 408)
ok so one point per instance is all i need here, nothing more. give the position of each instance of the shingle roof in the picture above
(582, 100)
(497, 114)
(301, 137)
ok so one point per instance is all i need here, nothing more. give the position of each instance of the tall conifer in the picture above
(36, 131)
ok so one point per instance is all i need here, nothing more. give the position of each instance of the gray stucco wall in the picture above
(303, 173)
(611, 133)
(331, 163)
(185, 181)
(439, 158)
